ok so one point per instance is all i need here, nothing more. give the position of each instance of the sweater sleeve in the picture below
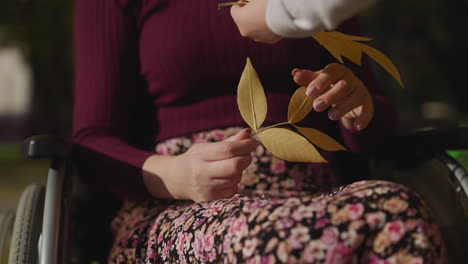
(301, 18)
(106, 91)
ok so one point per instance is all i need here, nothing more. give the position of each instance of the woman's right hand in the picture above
(206, 172)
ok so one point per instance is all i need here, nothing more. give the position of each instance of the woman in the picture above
(156, 123)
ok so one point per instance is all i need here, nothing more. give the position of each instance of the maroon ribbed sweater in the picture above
(155, 69)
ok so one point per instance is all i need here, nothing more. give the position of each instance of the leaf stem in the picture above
(272, 126)
(241, 3)
(229, 4)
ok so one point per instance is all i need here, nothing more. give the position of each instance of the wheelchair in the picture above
(45, 229)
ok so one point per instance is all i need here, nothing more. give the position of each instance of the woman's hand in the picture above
(337, 87)
(250, 19)
(206, 172)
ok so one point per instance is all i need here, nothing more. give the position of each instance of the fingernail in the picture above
(310, 90)
(320, 105)
(294, 71)
(333, 114)
(244, 130)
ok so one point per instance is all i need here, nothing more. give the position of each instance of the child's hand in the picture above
(338, 87)
(250, 19)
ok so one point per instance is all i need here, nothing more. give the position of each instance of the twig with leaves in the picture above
(283, 143)
(287, 144)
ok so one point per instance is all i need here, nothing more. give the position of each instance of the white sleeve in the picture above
(301, 18)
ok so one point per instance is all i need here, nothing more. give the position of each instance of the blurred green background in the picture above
(423, 38)
(36, 46)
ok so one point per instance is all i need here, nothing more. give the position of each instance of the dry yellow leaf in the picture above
(251, 98)
(339, 44)
(288, 145)
(383, 60)
(320, 139)
(343, 45)
(329, 44)
(283, 143)
(299, 106)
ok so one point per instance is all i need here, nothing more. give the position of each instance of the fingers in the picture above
(337, 93)
(237, 145)
(304, 77)
(241, 18)
(337, 87)
(243, 134)
(216, 179)
(230, 168)
(348, 124)
(236, 11)
(250, 20)
(354, 110)
(346, 105)
(224, 177)
(364, 119)
(329, 76)
(223, 150)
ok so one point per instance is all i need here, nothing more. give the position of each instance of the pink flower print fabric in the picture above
(284, 213)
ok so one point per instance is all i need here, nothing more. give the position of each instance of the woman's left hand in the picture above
(337, 87)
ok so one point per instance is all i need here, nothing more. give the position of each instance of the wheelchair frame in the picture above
(52, 235)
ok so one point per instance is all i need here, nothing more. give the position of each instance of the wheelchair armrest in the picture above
(44, 147)
(410, 148)
(436, 139)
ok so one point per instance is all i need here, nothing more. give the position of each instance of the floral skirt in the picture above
(284, 213)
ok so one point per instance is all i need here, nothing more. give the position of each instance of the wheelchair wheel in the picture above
(27, 226)
(6, 226)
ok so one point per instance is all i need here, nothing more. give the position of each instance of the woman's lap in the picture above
(287, 213)
(368, 221)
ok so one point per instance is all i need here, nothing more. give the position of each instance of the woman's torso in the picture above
(192, 56)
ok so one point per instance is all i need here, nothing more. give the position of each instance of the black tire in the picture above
(7, 218)
(27, 226)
